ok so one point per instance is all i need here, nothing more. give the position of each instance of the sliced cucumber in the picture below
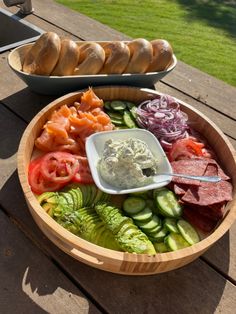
(159, 236)
(188, 232)
(170, 224)
(168, 203)
(107, 105)
(143, 216)
(128, 120)
(150, 225)
(160, 247)
(130, 104)
(154, 230)
(118, 105)
(134, 205)
(117, 122)
(175, 242)
(115, 115)
(133, 112)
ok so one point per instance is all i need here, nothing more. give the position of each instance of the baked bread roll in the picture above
(43, 55)
(162, 55)
(117, 58)
(68, 58)
(140, 56)
(91, 59)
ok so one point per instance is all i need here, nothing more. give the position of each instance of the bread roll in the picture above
(162, 55)
(91, 59)
(140, 56)
(68, 58)
(43, 55)
(117, 58)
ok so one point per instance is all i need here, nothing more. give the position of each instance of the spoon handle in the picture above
(212, 179)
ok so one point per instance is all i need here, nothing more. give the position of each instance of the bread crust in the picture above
(162, 55)
(91, 59)
(43, 55)
(141, 52)
(117, 58)
(68, 58)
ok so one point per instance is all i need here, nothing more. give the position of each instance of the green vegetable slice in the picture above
(151, 224)
(171, 225)
(159, 236)
(168, 203)
(128, 120)
(107, 105)
(175, 241)
(134, 205)
(143, 216)
(160, 247)
(188, 232)
(118, 105)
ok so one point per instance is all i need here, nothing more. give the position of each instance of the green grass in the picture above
(201, 32)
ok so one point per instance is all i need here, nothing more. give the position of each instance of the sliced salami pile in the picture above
(204, 202)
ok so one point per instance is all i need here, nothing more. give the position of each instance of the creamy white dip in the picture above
(127, 163)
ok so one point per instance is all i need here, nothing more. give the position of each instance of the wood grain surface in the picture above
(205, 286)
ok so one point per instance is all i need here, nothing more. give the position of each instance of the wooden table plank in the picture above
(201, 86)
(225, 123)
(30, 282)
(196, 288)
(187, 288)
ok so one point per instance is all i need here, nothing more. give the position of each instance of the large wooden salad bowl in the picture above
(114, 261)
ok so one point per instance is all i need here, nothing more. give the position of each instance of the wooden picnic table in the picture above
(36, 276)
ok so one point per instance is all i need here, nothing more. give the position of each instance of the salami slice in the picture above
(209, 193)
(201, 222)
(180, 189)
(196, 167)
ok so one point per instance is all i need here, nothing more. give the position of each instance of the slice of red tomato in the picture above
(59, 167)
(83, 174)
(37, 182)
(185, 148)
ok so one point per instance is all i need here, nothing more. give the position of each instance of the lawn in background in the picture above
(201, 32)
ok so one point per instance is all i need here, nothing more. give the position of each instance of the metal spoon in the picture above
(212, 179)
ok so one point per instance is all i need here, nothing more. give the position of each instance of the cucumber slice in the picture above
(175, 242)
(134, 205)
(150, 225)
(118, 105)
(115, 115)
(170, 224)
(154, 230)
(188, 232)
(159, 236)
(107, 105)
(143, 216)
(130, 104)
(168, 203)
(117, 122)
(128, 120)
(160, 247)
(133, 112)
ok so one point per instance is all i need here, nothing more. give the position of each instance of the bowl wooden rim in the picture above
(99, 257)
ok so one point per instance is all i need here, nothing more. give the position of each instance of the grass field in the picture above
(202, 32)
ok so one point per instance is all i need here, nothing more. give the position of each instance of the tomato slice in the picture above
(59, 167)
(83, 174)
(185, 148)
(37, 182)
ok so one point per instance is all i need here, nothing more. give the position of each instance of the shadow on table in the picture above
(29, 281)
(26, 103)
(218, 13)
(195, 288)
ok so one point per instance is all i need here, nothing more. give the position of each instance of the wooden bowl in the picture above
(59, 85)
(114, 261)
